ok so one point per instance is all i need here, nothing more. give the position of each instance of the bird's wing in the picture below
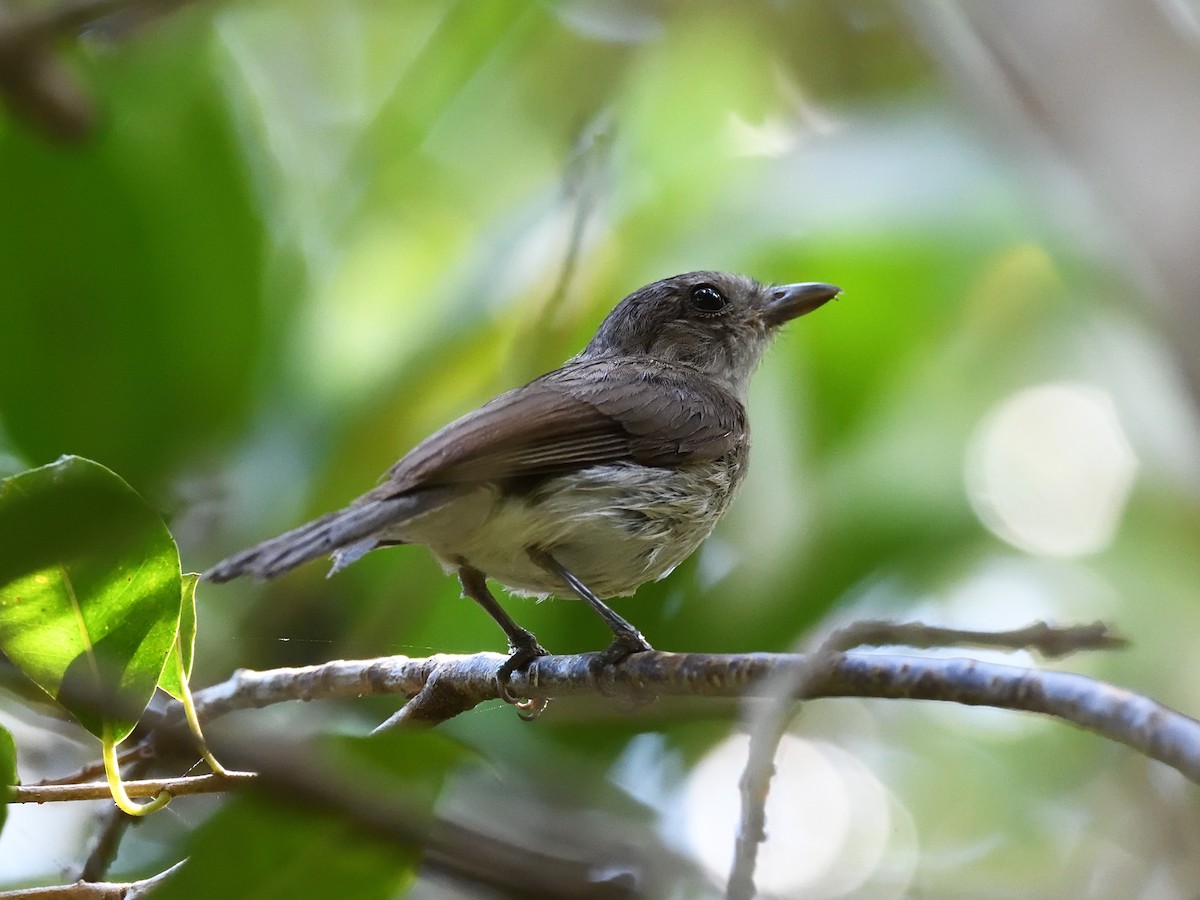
(583, 414)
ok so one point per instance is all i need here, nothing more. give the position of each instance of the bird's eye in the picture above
(707, 300)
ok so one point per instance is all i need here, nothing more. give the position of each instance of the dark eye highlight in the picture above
(707, 300)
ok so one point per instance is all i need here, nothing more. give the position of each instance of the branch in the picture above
(443, 686)
(92, 890)
(465, 681)
(1120, 715)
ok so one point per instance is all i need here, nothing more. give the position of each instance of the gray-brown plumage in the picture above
(592, 479)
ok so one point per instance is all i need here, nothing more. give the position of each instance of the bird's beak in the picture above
(791, 300)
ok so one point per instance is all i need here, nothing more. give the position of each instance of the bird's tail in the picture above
(352, 530)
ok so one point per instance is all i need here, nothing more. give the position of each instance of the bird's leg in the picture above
(522, 644)
(626, 638)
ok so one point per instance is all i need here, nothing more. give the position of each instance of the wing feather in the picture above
(584, 414)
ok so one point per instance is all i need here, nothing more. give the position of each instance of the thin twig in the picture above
(1052, 641)
(93, 890)
(80, 890)
(768, 722)
(131, 755)
(99, 790)
(582, 188)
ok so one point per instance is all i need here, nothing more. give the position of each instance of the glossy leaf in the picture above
(89, 591)
(8, 768)
(186, 644)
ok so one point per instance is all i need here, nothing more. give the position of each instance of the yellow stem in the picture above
(189, 710)
(112, 770)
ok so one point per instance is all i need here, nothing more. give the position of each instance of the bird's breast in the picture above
(615, 527)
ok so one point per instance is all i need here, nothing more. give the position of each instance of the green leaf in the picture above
(89, 591)
(287, 852)
(8, 768)
(186, 644)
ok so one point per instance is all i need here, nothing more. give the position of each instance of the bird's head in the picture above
(715, 322)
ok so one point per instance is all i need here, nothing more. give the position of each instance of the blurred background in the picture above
(288, 240)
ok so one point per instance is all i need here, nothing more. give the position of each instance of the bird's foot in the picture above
(625, 643)
(600, 666)
(524, 652)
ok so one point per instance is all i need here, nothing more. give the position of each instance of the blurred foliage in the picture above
(284, 848)
(281, 852)
(305, 235)
(130, 268)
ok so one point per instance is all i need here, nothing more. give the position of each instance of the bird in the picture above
(590, 480)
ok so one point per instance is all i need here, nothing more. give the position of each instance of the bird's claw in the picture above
(530, 709)
(522, 656)
(625, 643)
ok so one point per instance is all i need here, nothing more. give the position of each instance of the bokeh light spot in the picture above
(828, 819)
(1050, 469)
